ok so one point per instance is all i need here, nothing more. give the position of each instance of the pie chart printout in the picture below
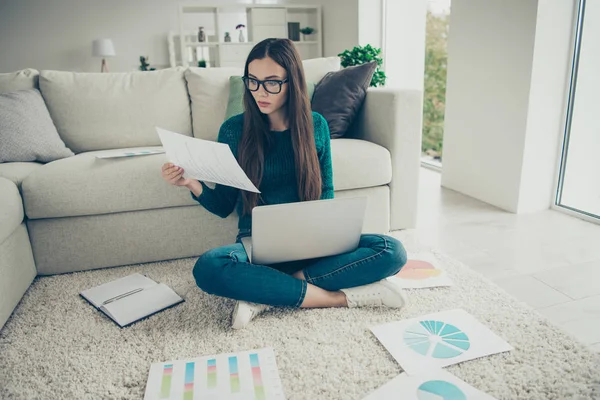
(440, 390)
(436, 339)
(418, 269)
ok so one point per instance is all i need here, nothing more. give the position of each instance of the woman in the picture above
(284, 149)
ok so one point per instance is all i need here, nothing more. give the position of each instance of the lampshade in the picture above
(103, 48)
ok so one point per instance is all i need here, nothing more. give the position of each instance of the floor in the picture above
(548, 259)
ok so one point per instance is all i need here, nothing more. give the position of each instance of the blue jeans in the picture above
(226, 272)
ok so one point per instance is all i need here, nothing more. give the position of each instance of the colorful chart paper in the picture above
(422, 270)
(438, 340)
(436, 385)
(246, 375)
(423, 337)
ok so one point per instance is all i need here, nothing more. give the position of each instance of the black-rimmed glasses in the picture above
(271, 85)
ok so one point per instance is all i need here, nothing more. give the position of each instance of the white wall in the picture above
(547, 103)
(404, 38)
(58, 34)
(581, 188)
(490, 47)
(340, 30)
(370, 22)
(507, 71)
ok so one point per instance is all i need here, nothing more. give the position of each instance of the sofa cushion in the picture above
(209, 92)
(19, 80)
(340, 95)
(98, 111)
(27, 132)
(316, 68)
(11, 208)
(18, 171)
(359, 164)
(86, 185)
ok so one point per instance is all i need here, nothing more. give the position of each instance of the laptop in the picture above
(305, 230)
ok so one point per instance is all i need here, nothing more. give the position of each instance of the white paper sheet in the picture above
(110, 290)
(437, 340)
(243, 375)
(133, 152)
(205, 160)
(436, 385)
(422, 270)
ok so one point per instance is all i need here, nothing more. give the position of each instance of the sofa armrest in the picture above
(392, 118)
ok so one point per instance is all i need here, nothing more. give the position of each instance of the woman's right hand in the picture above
(174, 175)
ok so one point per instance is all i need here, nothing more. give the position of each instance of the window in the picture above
(436, 54)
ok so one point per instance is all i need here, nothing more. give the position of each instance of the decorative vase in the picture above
(227, 37)
(201, 36)
(242, 39)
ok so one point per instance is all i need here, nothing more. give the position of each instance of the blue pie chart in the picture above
(439, 390)
(436, 339)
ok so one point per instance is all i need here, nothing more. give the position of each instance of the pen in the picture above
(121, 296)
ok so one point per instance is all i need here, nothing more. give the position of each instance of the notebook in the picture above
(129, 299)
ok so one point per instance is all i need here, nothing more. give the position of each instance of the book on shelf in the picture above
(294, 31)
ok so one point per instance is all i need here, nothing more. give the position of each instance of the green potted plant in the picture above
(306, 31)
(144, 64)
(362, 55)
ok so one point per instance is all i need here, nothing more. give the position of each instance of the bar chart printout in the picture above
(188, 388)
(251, 375)
(234, 375)
(259, 389)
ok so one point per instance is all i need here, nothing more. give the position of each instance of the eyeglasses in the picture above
(270, 85)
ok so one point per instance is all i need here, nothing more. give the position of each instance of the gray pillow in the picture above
(340, 94)
(27, 132)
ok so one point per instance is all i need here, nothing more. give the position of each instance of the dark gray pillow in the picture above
(27, 132)
(340, 94)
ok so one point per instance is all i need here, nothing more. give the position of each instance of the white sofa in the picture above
(81, 212)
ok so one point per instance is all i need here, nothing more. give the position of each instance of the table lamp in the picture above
(103, 48)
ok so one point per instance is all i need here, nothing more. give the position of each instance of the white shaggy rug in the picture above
(56, 346)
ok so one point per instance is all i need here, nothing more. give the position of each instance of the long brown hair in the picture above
(255, 137)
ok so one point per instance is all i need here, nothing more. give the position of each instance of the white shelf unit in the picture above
(261, 21)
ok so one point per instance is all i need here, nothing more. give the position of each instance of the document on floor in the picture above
(438, 340)
(434, 385)
(205, 160)
(243, 375)
(423, 270)
(131, 298)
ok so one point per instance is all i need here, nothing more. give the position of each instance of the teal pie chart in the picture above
(439, 390)
(436, 339)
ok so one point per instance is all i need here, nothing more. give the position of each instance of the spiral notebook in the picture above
(131, 298)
